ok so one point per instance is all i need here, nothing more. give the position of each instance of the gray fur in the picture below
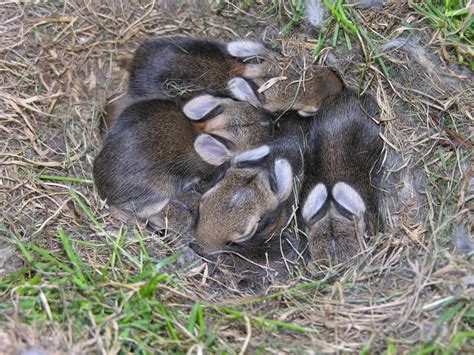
(149, 158)
(343, 154)
(263, 179)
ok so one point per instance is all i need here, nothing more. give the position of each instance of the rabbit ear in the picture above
(153, 209)
(308, 111)
(284, 178)
(252, 154)
(241, 90)
(315, 200)
(348, 198)
(244, 48)
(211, 150)
(201, 106)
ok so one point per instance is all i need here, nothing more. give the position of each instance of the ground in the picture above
(74, 279)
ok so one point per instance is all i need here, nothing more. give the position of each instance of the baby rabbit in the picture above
(253, 197)
(179, 214)
(292, 88)
(155, 150)
(182, 68)
(186, 67)
(179, 68)
(339, 195)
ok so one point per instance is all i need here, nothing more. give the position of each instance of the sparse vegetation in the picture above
(453, 22)
(75, 279)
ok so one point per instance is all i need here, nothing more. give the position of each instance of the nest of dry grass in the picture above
(411, 288)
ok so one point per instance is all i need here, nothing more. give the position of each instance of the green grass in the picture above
(59, 286)
(127, 294)
(296, 9)
(452, 19)
(346, 23)
(76, 291)
(134, 298)
(65, 178)
(112, 287)
(342, 26)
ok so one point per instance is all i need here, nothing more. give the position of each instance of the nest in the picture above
(60, 62)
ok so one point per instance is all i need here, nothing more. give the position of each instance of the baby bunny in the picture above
(341, 178)
(179, 68)
(254, 195)
(283, 83)
(182, 68)
(186, 67)
(292, 88)
(155, 150)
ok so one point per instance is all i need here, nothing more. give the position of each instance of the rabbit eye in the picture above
(262, 225)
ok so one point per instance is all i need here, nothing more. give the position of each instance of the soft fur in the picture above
(343, 155)
(297, 88)
(255, 194)
(148, 157)
(181, 67)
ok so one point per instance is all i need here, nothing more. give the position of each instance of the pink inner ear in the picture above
(252, 154)
(308, 111)
(245, 48)
(348, 198)
(201, 106)
(315, 200)
(241, 90)
(211, 150)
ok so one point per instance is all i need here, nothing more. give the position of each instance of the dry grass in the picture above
(409, 290)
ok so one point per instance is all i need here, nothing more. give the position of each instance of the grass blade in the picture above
(65, 178)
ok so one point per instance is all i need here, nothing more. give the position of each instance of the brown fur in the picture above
(148, 156)
(181, 67)
(180, 213)
(302, 91)
(306, 85)
(256, 198)
(113, 109)
(334, 237)
(344, 146)
(174, 68)
(244, 201)
(240, 124)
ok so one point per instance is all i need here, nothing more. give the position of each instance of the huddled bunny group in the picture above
(221, 141)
